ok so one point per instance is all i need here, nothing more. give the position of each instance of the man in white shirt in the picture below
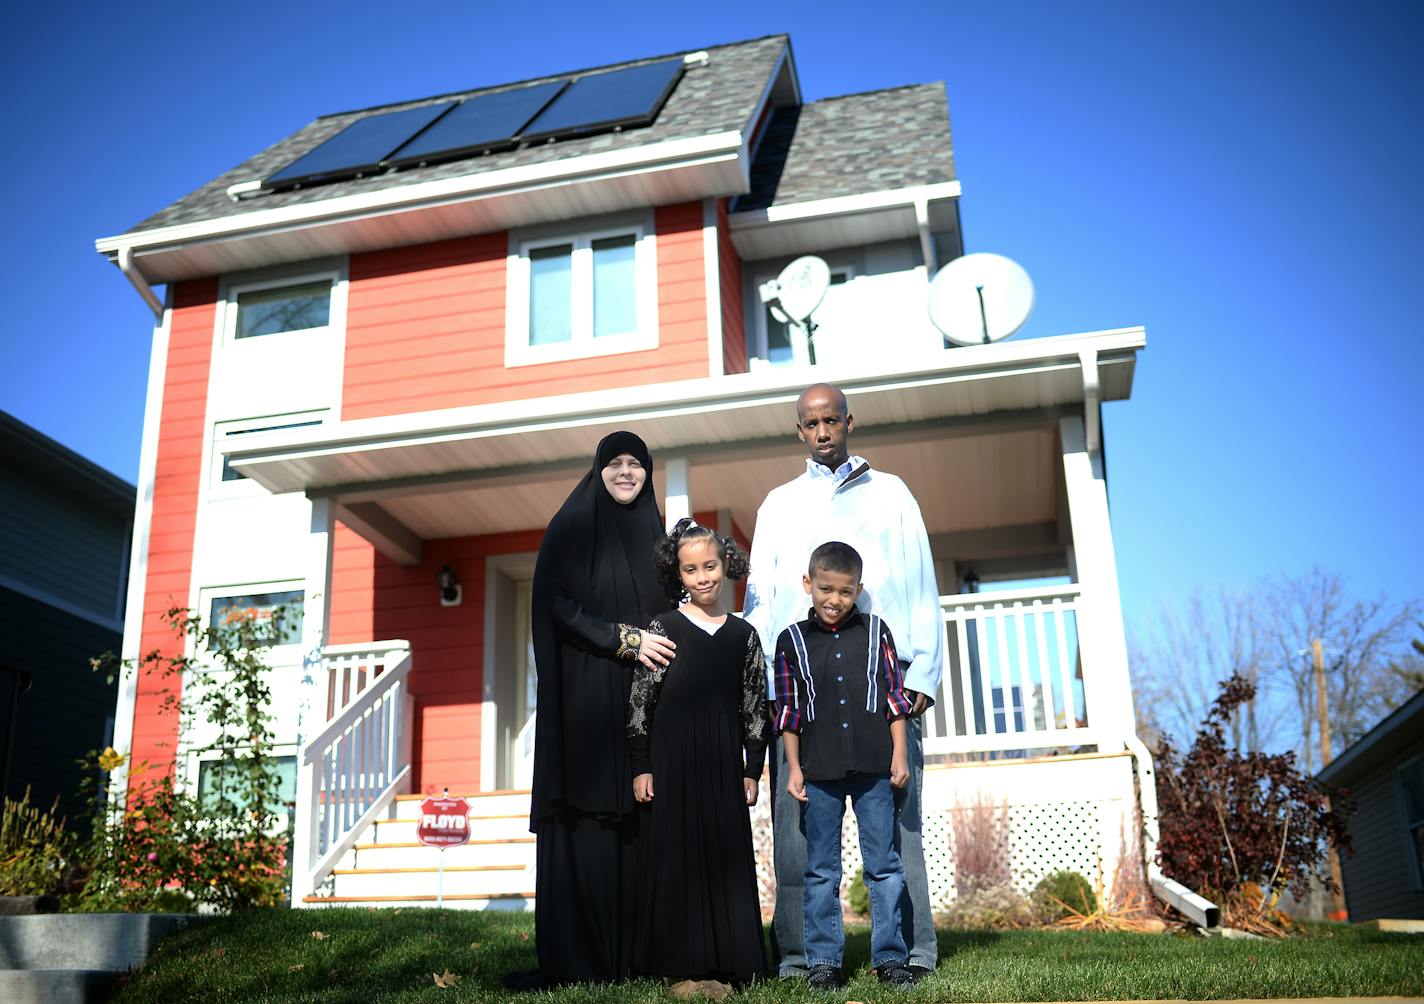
(839, 497)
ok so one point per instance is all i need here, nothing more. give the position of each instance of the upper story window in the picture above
(271, 311)
(227, 481)
(581, 294)
(773, 337)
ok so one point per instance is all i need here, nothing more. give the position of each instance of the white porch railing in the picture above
(1013, 676)
(351, 770)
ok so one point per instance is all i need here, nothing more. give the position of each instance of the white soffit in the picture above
(677, 171)
(845, 221)
(693, 416)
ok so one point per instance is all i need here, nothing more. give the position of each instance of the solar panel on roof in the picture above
(360, 147)
(484, 122)
(617, 99)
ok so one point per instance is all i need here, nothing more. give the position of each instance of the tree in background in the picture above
(1263, 635)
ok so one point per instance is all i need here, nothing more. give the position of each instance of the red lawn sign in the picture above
(444, 822)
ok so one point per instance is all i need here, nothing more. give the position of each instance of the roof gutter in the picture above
(134, 275)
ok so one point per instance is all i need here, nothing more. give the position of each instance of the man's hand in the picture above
(643, 788)
(899, 771)
(752, 789)
(922, 703)
(796, 783)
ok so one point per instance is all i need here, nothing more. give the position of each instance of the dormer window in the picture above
(581, 294)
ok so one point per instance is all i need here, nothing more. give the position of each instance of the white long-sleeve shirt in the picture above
(873, 512)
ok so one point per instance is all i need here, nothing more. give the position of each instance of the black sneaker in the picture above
(825, 978)
(920, 972)
(896, 974)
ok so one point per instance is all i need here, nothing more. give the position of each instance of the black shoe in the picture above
(920, 971)
(896, 974)
(825, 978)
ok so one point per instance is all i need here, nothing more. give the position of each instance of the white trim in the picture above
(219, 489)
(234, 285)
(138, 548)
(60, 603)
(514, 567)
(844, 205)
(772, 385)
(582, 344)
(712, 276)
(510, 180)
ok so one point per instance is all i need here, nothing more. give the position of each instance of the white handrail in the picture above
(352, 769)
(1013, 676)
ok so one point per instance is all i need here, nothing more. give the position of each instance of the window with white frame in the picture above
(773, 337)
(222, 607)
(583, 294)
(220, 777)
(225, 479)
(275, 309)
(1410, 777)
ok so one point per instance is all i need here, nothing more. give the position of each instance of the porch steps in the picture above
(389, 867)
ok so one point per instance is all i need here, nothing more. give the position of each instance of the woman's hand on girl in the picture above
(643, 788)
(751, 788)
(655, 652)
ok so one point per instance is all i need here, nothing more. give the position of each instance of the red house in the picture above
(391, 341)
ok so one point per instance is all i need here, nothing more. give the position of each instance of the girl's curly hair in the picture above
(734, 559)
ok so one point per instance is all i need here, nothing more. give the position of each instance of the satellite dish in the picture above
(980, 298)
(794, 295)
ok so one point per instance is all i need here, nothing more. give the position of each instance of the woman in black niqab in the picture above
(594, 587)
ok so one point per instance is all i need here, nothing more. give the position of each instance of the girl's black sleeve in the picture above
(756, 729)
(642, 702)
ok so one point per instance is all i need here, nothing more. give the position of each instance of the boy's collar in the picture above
(839, 625)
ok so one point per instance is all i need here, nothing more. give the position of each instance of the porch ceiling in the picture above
(972, 430)
(1006, 478)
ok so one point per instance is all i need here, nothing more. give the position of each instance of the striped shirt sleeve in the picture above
(897, 702)
(787, 680)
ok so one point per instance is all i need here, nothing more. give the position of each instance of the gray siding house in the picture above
(65, 526)
(1384, 772)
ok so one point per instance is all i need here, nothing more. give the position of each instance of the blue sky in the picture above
(1241, 179)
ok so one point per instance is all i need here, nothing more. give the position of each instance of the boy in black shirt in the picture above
(841, 707)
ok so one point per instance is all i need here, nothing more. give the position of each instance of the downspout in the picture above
(927, 248)
(1199, 910)
(132, 273)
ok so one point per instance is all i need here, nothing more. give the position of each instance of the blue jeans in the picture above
(916, 920)
(873, 800)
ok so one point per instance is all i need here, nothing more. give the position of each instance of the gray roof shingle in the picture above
(871, 142)
(718, 96)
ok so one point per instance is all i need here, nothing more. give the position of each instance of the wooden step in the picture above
(427, 871)
(454, 901)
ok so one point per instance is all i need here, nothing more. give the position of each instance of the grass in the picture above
(391, 955)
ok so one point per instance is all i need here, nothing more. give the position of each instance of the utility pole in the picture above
(1338, 911)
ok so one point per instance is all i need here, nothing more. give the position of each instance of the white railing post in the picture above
(315, 620)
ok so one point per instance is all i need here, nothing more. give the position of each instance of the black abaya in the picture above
(594, 578)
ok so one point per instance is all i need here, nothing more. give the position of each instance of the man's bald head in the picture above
(822, 395)
(824, 424)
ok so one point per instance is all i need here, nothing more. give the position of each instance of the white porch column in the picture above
(311, 703)
(1107, 685)
(678, 502)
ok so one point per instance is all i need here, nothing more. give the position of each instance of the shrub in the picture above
(34, 849)
(981, 845)
(858, 895)
(1230, 822)
(1060, 892)
(168, 848)
(998, 906)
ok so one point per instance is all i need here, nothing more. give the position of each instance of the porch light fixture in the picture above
(449, 587)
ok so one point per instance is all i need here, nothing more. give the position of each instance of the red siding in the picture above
(175, 507)
(729, 268)
(373, 599)
(425, 326)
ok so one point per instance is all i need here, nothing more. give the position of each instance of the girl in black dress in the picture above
(697, 736)
(595, 589)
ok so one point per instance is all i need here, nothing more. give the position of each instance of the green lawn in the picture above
(390, 955)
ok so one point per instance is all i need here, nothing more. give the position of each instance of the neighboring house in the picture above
(1384, 773)
(65, 526)
(391, 341)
